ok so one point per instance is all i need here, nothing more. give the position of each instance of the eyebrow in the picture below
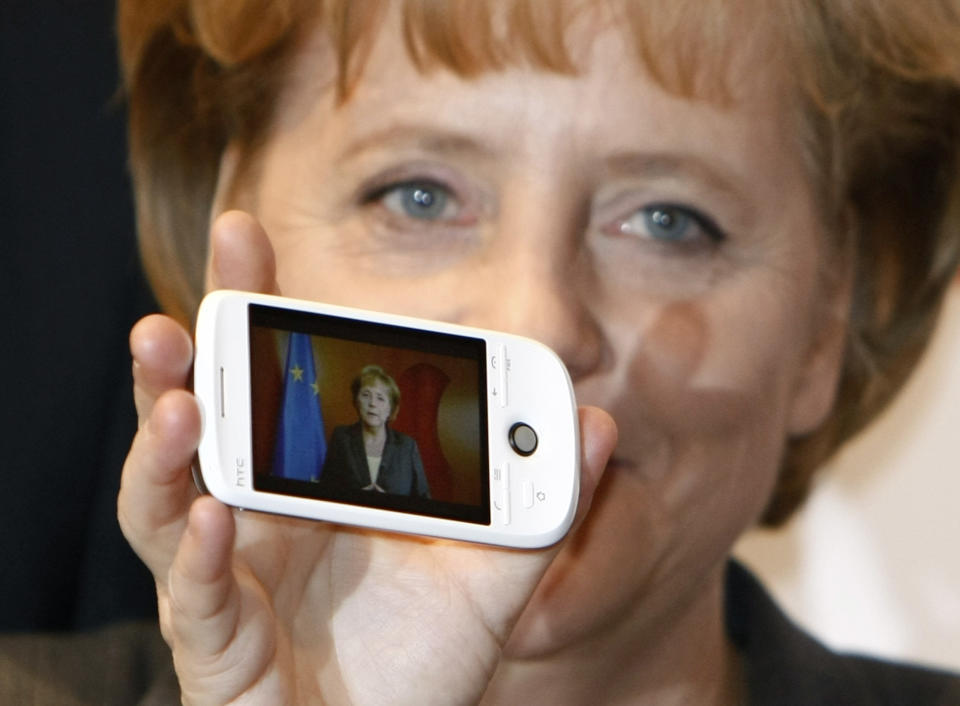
(676, 164)
(423, 137)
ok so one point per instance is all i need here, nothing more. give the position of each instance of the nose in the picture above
(539, 287)
(546, 306)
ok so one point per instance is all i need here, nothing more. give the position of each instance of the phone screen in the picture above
(369, 414)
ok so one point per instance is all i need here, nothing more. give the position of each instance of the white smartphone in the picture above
(383, 421)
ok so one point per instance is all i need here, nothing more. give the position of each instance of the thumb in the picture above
(241, 255)
(598, 435)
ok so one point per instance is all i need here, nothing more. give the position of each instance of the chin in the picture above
(566, 608)
(532, 637)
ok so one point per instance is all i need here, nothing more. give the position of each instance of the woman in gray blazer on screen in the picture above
(369, 455)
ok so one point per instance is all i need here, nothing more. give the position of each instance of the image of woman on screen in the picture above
(369, 455)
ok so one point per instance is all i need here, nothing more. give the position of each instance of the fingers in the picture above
(598, 438)
(162, 356)
(222, 630)
(242, 258)
(241, 255)
(204, 600)
(156, 488)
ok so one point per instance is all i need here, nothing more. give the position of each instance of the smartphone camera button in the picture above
(523, 439)
(526, 493)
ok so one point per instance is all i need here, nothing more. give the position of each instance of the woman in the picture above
(369, 455)
(733, 220)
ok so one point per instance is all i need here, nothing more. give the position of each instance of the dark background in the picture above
(70, 288)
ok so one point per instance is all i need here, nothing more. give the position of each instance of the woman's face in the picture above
(668, 249)
(373, 405)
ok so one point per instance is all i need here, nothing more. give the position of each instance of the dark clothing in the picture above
(123, 664)
(345, 469)
(786, 667)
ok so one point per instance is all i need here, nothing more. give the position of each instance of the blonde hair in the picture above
(369, 376)
(876, 84)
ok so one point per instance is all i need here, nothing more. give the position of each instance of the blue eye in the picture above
(670, 224)
(421, 200)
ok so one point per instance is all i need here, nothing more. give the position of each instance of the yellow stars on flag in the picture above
(297, 373)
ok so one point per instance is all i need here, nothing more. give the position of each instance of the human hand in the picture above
(266, 609)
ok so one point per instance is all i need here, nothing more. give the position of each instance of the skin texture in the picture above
(373, 407)
(708, 351)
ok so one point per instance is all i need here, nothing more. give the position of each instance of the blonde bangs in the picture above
(685, 46)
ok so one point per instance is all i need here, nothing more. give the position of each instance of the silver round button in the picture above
(523, 439)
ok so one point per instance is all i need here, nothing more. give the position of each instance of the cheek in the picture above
(701, 417)
(708, 416)
(700, 376)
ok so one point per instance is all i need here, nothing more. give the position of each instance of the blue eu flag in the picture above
(301, 443)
